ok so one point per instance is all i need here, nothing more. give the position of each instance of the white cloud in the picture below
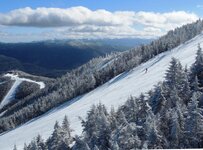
(105, 32)
(81, 22)
(74, 16)
(56, 17)
(166, 21)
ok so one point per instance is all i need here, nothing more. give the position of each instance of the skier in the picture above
(146, 70)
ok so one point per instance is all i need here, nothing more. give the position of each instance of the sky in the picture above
(34, 20)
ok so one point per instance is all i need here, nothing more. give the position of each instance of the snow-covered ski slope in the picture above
(11, 93)
(113, 93)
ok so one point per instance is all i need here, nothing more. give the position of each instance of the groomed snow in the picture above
(113, 93)
(15, 77)
(11, 93)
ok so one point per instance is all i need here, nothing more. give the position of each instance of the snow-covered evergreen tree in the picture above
(125, 137)
(154, 139)
(131, 109)
(33, 145)
(40, 143)
(185, 92)
(175, 131)
(66, 133)
(113, 120)
(157, 99)
(55, 141)
(97, 127)
(194, 123)
(25, 147)
(197, 67)
(144, 109)
(170, 116)
(80, 144)
(15, 147)
(104, 131)
(195, 84)
(175, 78)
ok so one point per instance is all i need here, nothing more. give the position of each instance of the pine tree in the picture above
(164, 121)
(55, 141)
(173, 98)
(172, 73)
(195, 84)
(25, 147)
(40, 143)
(66, 133)
(180, 110)
(33, 145)
(89, 126)
(175, 132)
(120, 117)
(157, 99)
(66, 126)
(15, 147)
(80, 144)
(194, 123)
(97, 127)
(125, 137)
(197, 67)
(185, 93)
(131, 109)
(151, 132)
(143, 111)
(104, 131)
(175, 78)
(112, 119)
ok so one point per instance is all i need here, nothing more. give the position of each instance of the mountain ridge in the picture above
(91, 75)
(109, 93)
(56, 57)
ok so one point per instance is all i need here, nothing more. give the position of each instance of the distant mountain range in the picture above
(55, 57)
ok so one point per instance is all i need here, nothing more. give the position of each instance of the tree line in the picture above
(168, 116)
(92, 75)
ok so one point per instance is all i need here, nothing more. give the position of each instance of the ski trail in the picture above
(11, 93)
(15, 77)
(113, 93)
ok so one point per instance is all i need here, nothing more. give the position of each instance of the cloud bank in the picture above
(79, 22)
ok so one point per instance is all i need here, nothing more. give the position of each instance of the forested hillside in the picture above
(91, 75)
(16, 85)
(56, 57)
(168, 116)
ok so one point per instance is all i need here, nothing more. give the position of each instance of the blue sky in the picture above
(111, 5)
(15, 28)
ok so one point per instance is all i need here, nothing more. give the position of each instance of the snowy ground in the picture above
(113, 93)
(11, 93)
